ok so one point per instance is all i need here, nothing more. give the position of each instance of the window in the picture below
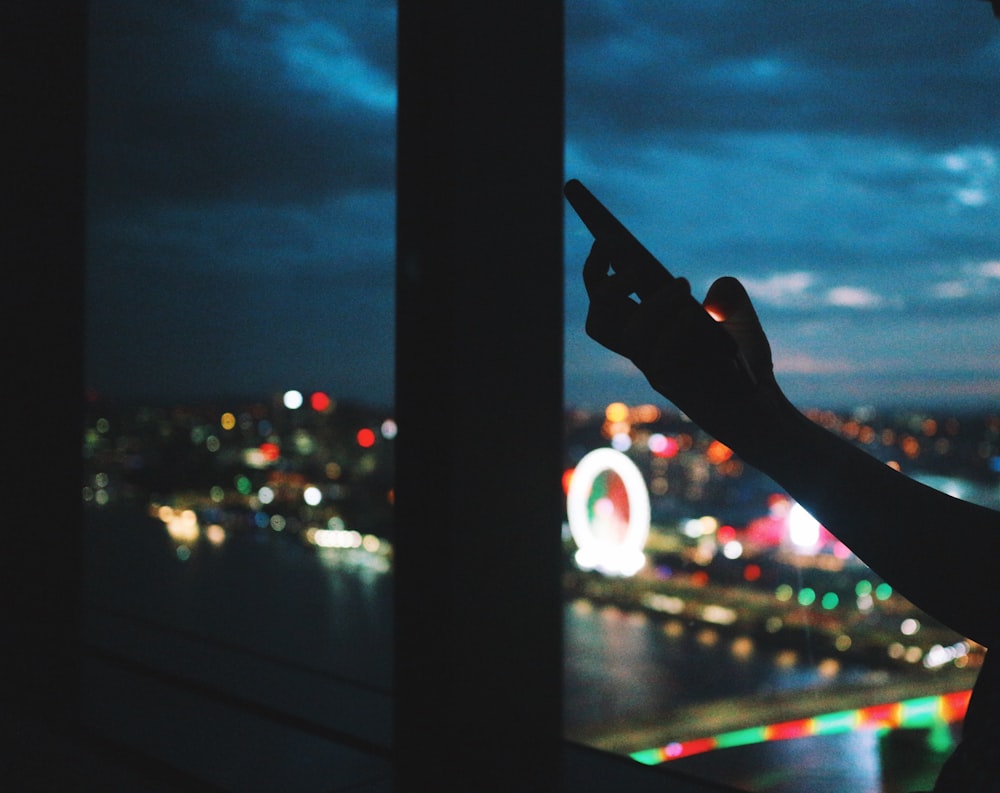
(239, 429)
(845, 176)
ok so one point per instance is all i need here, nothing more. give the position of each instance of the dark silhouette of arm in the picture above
(936, 550)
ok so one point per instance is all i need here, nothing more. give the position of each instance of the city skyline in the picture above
(841, 160)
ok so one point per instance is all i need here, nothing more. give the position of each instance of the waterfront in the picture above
(326, 618)
(249, 547)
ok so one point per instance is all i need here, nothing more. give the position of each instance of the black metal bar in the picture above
(42, 250)
(478, 654)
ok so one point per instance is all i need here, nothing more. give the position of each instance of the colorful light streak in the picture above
(921, 712)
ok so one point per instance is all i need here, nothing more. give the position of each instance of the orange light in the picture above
(566, 479)
(718, 452)
(616, 412)
(646, 414)
(910, 446)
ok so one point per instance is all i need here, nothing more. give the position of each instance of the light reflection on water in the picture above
(621, 666)
(625, 669)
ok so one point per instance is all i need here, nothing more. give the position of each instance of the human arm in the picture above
(936, 550)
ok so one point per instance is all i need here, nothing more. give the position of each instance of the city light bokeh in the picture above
(667, 532)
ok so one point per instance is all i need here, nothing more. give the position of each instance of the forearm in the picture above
(938, 551)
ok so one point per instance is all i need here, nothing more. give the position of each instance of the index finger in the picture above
(626, 254)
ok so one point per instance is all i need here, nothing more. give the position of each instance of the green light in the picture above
(745, 737)
(807, 596)
(920, 712)
(863, 588)
(835, 723)
(243, 485)
(647, 756)
(939, 739)
(883, 591)
(830, 600)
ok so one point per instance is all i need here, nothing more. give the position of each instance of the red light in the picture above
(787, 730)
(566, 478)
(366, 438)
(887, 715)
(270, 451)
(841, 551)
(698, 746)
(751, 572)
(320, 402)
(664, 446)
(954, 705)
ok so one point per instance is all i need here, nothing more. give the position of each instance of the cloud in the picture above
(853, 297)
(892, 67)
(781, 289)
(951, 290)
(204, 101)
(972, 285)
(805, 364)
(838, 157)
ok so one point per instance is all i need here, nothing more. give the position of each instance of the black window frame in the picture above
(480, 335)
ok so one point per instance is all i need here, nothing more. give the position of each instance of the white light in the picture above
(181, 524)
(265, 494)
(939, 656)
(720, 615)
(312, 495)
(803, 528)
(668, 604)
(389, 429)
(601, 545)
(621, 442)
(694, 528)
(255, 458)
(732, 549)
(325, 538)
(292, 399)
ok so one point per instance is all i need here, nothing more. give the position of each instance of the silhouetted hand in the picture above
(715, 366)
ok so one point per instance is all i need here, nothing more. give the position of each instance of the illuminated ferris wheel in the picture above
(607, 505)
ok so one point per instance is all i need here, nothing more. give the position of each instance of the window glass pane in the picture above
(839, 160)
(239, 427)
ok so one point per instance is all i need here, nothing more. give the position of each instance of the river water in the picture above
(332, 609)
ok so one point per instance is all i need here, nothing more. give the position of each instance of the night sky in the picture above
(842, 159)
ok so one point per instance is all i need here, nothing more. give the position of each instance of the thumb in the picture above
(728, 302)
